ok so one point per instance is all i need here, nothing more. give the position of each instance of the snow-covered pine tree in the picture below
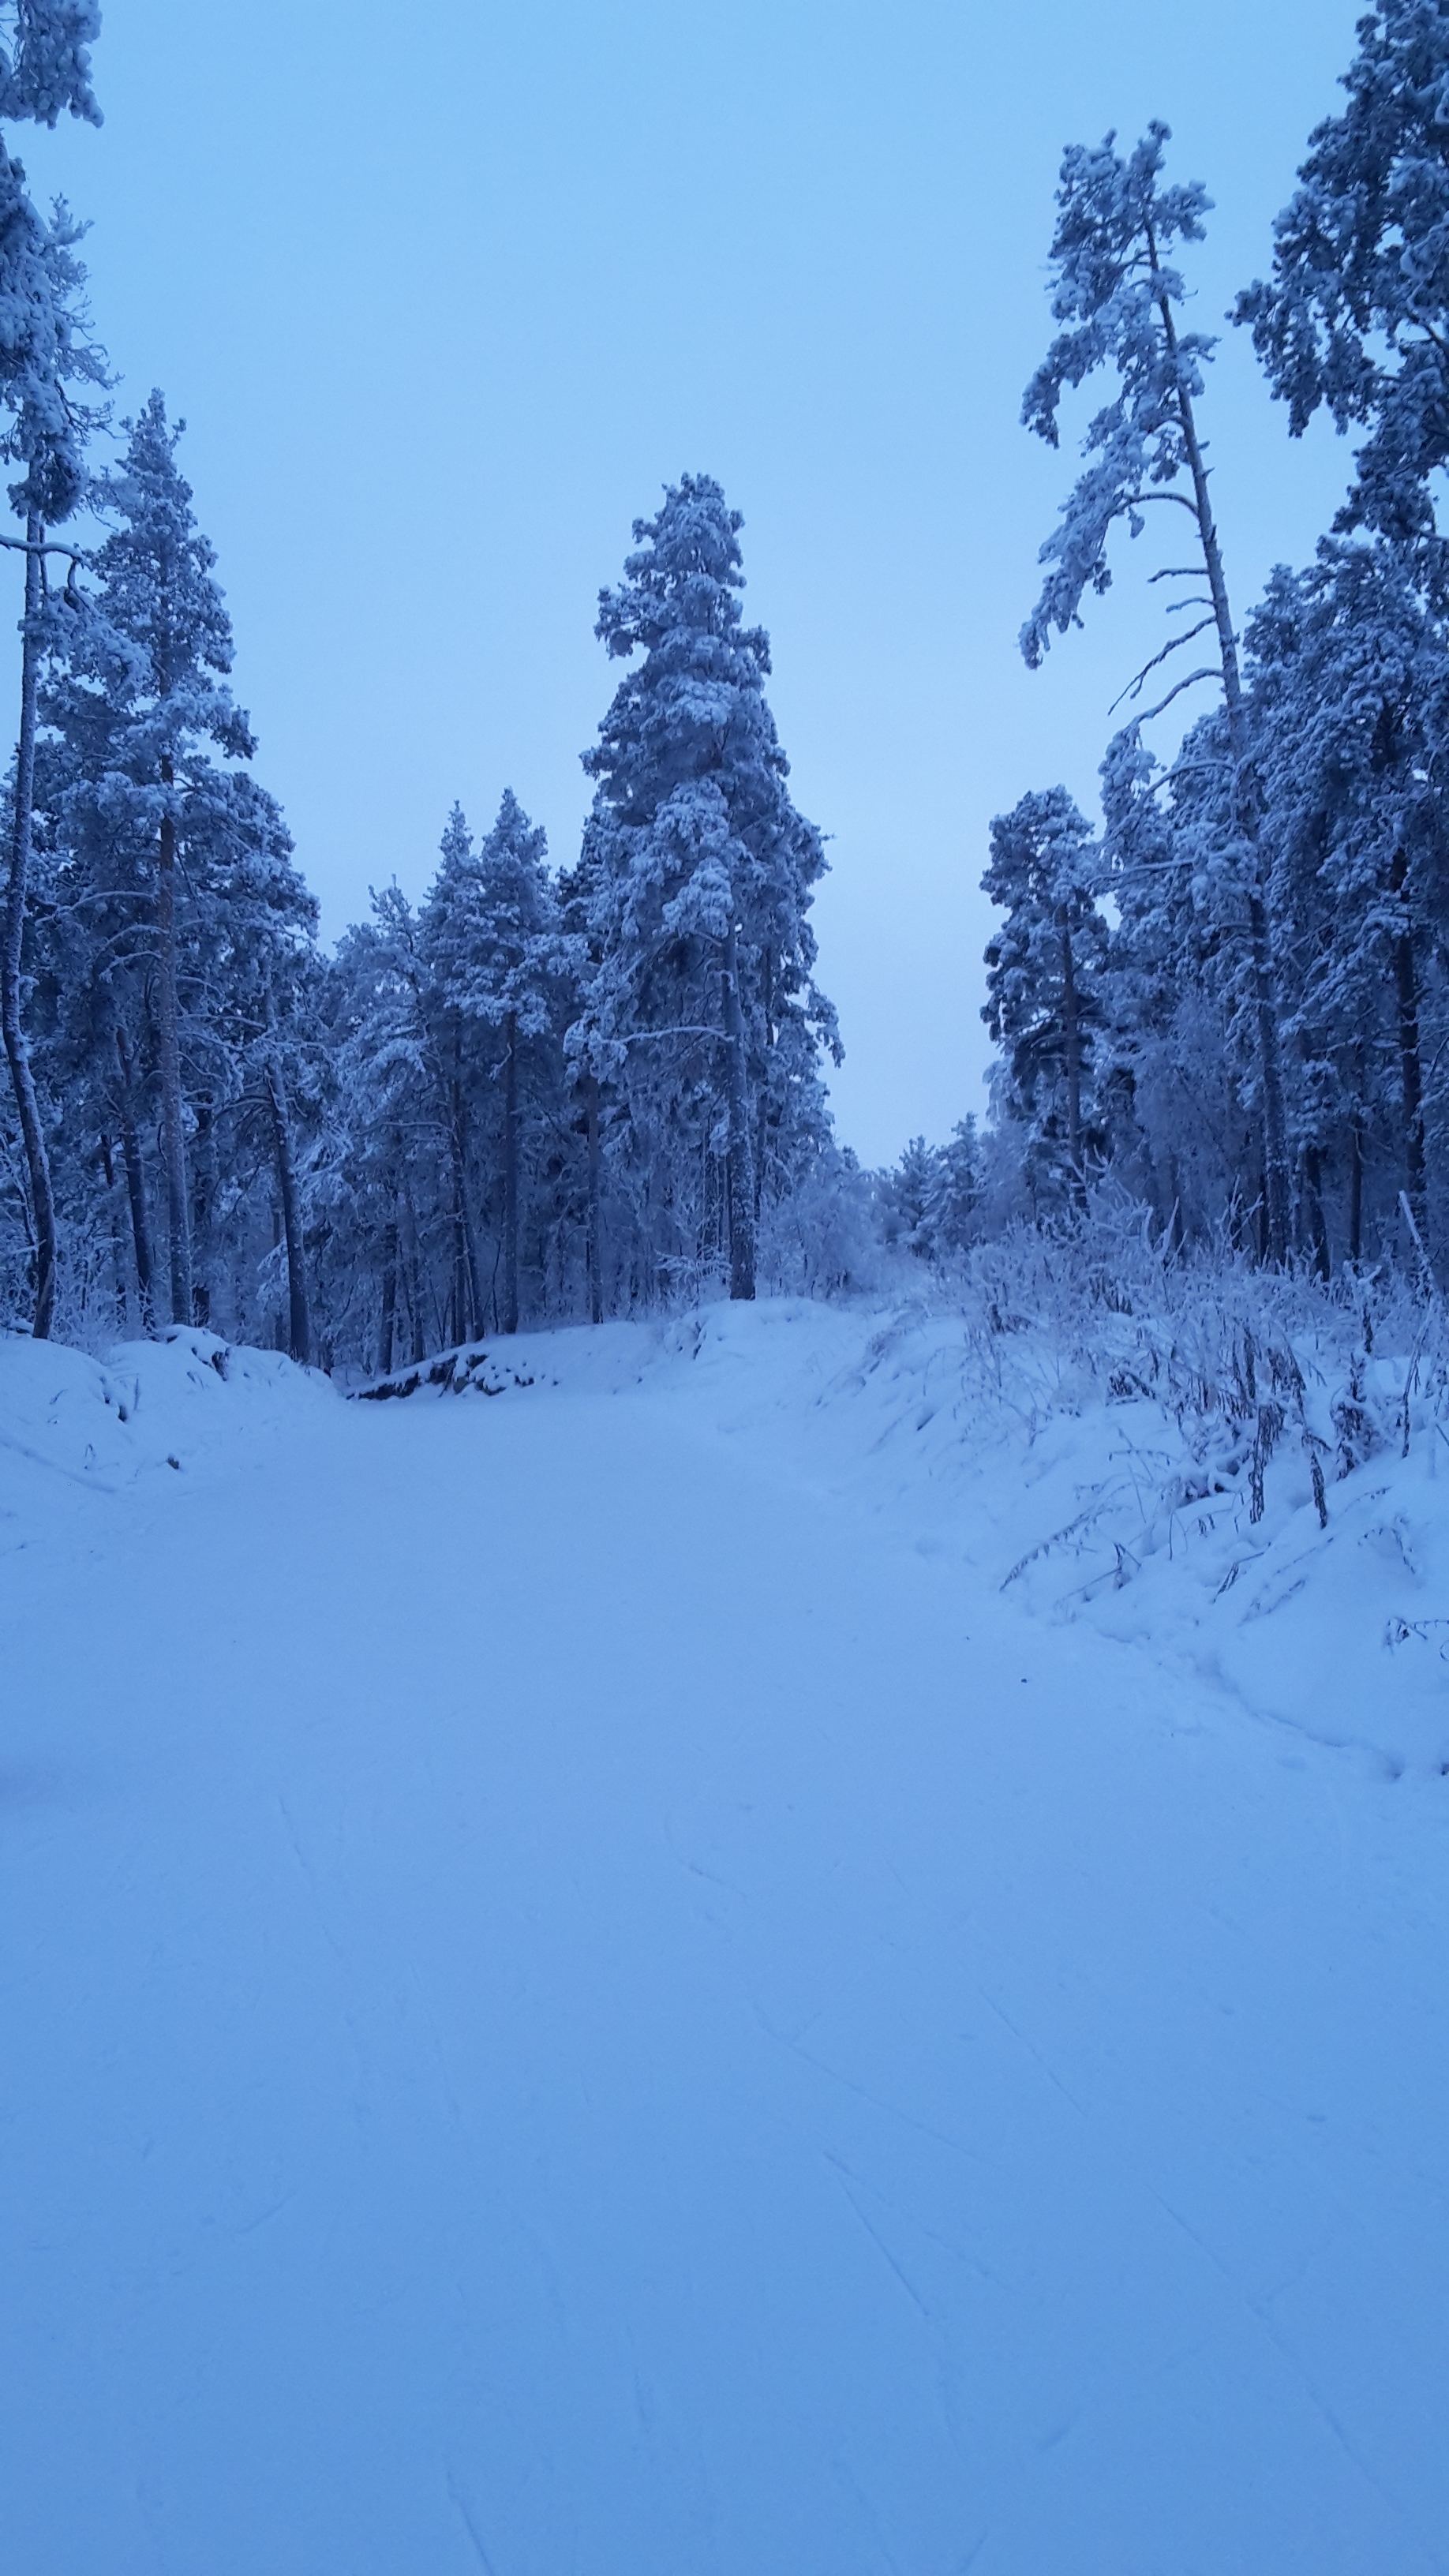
(444, 1175)
(46, 357)
(496, 961)
(905, 1199)
(44, 353)
(1044, 969)
(1357, 312)
(953, 1194)
(581, 954)
(253, 1041)
(1351, 686)
(1174, 1089)
(928, 1203)
(388, 1178)
(447, 935)
(700, 1012)
(1116, 291)
(144, 704)
(248, 977)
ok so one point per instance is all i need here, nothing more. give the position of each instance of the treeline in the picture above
(538, 1094)
(1230, 997)
(549, 1093)
(535, 1095)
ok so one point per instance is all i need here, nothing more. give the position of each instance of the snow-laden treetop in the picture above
(45, 59)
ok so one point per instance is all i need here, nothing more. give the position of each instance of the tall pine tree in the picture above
(1118, 293)
(695, 884)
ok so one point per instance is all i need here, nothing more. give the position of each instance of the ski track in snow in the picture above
(575, 2004)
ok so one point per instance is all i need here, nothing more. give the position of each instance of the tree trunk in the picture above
(136, 1188)
(203, 1201)
(168, 1053)
(511, 1157)
(1072, 1046)
(458, 1322)
(741, 1160)
(413, 1274)
(593, 1247)
(1177, 1225)
(37, 1162)
(1315, 1225)
(1355, 1162)
(762, 1137)
(467, 1268)
(389, 1300)
(298, 1317)
(1411, 1068)
(119, 1289)
(1245, 814)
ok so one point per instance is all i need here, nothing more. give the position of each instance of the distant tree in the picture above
(1044, 967)
(929, 1201)
(447, 941)
(389, 1180)
(489, 942)
(505, 976)
(954, 1190)
(1117, 293)
(906, 1194)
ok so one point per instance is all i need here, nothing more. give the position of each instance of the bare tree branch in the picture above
(1134, 687)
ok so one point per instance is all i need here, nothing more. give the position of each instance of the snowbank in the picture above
(145, 1414)
(1284, 1533)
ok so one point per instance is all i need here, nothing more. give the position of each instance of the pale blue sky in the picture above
(446, 293)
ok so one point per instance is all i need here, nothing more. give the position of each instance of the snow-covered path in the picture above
(573, 2009)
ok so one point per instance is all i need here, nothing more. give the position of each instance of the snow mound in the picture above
(145, 1414)
(1293, 1549)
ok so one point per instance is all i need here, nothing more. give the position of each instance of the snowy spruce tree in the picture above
(447, 942)
(190, 931)
(388, 1182)
(1045, 970)
(499, 961)
(450, 1176)
(929, 1201)
(701, 1021)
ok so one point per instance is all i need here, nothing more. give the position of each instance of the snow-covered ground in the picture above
(737, 1951)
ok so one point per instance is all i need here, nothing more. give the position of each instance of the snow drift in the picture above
(131, 1420)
